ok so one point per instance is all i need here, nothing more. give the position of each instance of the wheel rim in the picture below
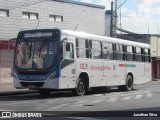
(81, 87)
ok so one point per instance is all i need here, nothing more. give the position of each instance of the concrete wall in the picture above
(6, 60)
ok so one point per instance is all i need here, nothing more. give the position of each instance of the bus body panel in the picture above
(113, 73)
(68, 76)
(95, 72)
(138, 72)
(147, 69)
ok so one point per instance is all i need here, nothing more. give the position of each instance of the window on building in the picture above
(129, 53)
(34, 16)
(96, 49)
(57, 18)
(107, 51)
(82, 50)
(4, 13)
(30, 15)
(138, 54)
(119, 54)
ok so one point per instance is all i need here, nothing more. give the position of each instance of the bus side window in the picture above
(96, 49)
(69, 53)
(107, 51)
(146, 55)
(138, 54)
(82, 50)
(119, 52)
(134, 52)
(129, 53)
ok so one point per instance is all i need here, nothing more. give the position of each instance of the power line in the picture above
(121, 5)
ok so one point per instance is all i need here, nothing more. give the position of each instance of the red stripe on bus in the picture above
(121, 65)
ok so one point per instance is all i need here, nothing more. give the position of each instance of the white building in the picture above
(17, 15)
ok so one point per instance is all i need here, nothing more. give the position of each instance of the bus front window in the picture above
(36, 54)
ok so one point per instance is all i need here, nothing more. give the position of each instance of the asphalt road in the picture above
(143, 99)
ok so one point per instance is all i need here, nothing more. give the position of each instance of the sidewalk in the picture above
(154, 82)
(8, 89)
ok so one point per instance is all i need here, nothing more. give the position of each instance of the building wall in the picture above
(88, 19)
(155, 54)
(6, 60)
(107, 22)
(84, 17)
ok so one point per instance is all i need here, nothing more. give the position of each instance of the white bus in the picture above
(54, 59)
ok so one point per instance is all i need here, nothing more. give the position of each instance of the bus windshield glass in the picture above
(36, 54)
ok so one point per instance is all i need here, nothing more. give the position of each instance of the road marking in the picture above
(126, 98)
(50, 101)
(95, 101)
(149, 95)
(79, 103)
(58, 106)
(112, 100)
(121, 94)
(15, 102)
(4, 110)
(98, 95)
(138, 96)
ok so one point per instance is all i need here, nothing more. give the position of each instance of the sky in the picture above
(139, 16)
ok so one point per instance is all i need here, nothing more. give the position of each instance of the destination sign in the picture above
(38, 34)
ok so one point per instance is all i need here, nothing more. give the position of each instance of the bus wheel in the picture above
(128, 86)
(80, 89)
(129, 83)
(44, 93)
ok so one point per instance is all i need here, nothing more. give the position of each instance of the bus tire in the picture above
(129, 84)
(80, 89)
(44, 93)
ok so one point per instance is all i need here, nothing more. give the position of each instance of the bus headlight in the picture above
(52, 76)
(15, 76)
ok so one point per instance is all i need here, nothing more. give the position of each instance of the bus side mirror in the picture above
(9, 43)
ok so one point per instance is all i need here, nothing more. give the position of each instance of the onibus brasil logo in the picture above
(20, 114)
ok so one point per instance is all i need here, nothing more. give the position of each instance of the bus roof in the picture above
(104, 38)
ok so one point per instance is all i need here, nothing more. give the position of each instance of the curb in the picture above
(6, 93)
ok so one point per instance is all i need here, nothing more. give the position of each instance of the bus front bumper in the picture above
(47, 84)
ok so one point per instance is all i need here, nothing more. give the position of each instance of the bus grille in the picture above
(35, 84)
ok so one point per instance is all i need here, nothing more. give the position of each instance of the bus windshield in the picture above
(36, 54)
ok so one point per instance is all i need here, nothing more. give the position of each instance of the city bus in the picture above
(55, 59)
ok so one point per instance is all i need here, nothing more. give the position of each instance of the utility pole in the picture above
(113, 24)
(115, 19)
(114, 16)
